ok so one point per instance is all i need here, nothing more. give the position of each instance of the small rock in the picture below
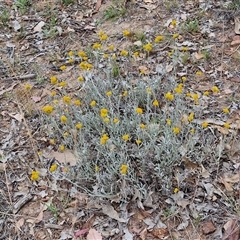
(208, 227)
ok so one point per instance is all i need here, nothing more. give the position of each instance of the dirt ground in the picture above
(34, 43)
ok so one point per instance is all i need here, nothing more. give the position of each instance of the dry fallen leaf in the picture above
(112, 213)
(38, 27)
(237, 25)
(66, 157)
(231, 230)
(94, 235)
(208, 227)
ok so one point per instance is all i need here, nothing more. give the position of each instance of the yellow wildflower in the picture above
(123, 169)
(104, 37)
(34, 175)
(105, 55)
(226, 125)
(101, 33)
(80, 79)
(62, 84)
(206, 93)
(28, 87)
(114, 56)
(226, 110)
(106, 120)
(78, 126)
(125, 137)
(104, 139)
(70, 60)
(77, 102)
(96, 168)
(174, 22)
(115, 120)
(170, 53)
(176, 190)
(124, 94)
(185, 49)
(124, 53)
(136, 54)
(169, 121)
(111, 48)
(139, 110)
(149, 91)
(109, 93)
(147, 47)
(61, 147)
(103, 112)
(47, 109)
(82, 54)
(67, 99)
(194, 96)
(192, 131)
(52, 141)
(169, 96)
(205, 124)
(63, 67)
(178, 90)
(93, 103)
(155, 103)
(53, 80)
(138, 141)
(199, 73)
(53, 168)
(191, 117)
(215, 89)
(40, 153)
(71, 53)
(175, 35)
(55, 101)
(184, 78)
(53, 93)
(63, 119)
(176, 130)
(143, 126)
(126, 33)
(97, 46)
(158, 39)
(66, 134)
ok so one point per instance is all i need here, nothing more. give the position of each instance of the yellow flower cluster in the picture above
(34, 175)
(85, 65)
(123, 169)
(104, 139)
(47, 109)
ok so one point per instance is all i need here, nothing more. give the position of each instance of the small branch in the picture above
(22, 77)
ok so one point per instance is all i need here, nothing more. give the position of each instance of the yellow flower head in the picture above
(82, 54)
(101, 33)
(226, 125)
(104, 37)
(155, 103)
(34, 175)
(62, 84)
(115, 120)
(63, 119)
(226, 110)
(47, 109)
(125, 137)
(79, 126)
(126, 33)
(53, 168)
(77, 102)
(199, 73)
(176, 130)
(158, 39)
(143, 126)
(149, 91)
(139, 110)
(80, 79)
(67, 99)
(63, 67)
(215, 89)
(191, 117)
(62, 148)
(93, 103)
(97, 46)
(185, 49)
(53, 93)
(53, 80)
(70, 60)
(192, 131)
(114, 56)
(96, 168)
(174, 23)
(169, 96)
(123, 169)
(184, 78)
(206, 93)
(194, 96)
(205, 124)
(104, 139)
(176, 190)
(111, 48)
(124, 53)
(28, 87)
(52, 141)
(148, 47)
(109, 93)
(138, 141)
(169, 121)
(106, 120)
(105, 55)
(175, 35)
(178, 90)
(103, 112)
(66, 134)
(136, 54)
(71, 54)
